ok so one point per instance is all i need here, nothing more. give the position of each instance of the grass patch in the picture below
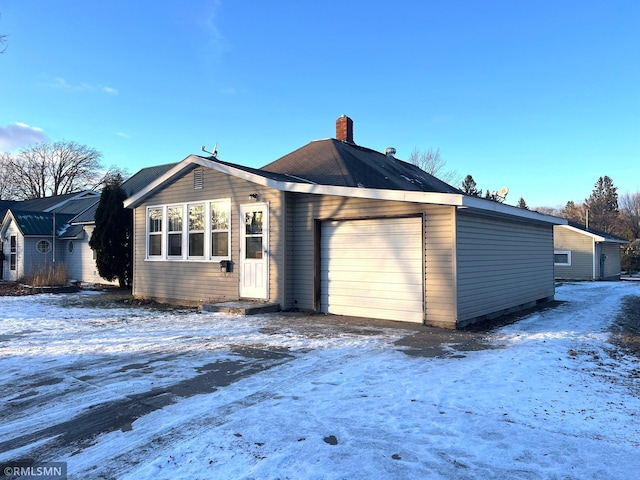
(48, 276)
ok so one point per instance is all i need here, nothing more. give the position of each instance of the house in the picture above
(26, 232)
(582, 253)
(338, 228)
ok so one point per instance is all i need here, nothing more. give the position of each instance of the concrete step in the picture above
(241, 307)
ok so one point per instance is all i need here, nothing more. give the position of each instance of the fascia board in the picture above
(451, 199)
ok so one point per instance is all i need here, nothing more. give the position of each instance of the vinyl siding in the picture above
(194, 282)
(80, 262)
(441, 307)
(501, 264)
(612, 266)
(582, 250)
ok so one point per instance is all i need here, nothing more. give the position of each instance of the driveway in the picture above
(115, 388)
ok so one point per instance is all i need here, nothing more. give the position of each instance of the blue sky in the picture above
(540, 96)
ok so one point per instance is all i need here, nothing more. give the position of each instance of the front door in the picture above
(254, 253)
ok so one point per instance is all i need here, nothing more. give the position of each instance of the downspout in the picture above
(53, 244)
(593, 258)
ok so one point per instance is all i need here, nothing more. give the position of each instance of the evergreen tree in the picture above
(574, 212)
(469, 186)
(112, 238)
(602, 206)
(522, 204)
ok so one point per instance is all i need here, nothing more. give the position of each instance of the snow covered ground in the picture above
(138, 393)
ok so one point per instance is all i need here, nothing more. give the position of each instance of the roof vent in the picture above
(390, 151)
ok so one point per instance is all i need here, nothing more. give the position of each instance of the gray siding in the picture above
(501, 264)
(193, 282)
(612, 266)
(582, 250)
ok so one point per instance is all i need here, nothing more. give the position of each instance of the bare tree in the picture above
(432, 162)
(630, 215)
(573, 212)
(7, 190)
(48, 169)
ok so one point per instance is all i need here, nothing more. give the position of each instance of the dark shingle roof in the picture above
(605, 235)
(340, 163)
(144, 177)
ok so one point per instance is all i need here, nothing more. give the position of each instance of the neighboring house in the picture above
(337, 228)
(582, 253)
(26, 232)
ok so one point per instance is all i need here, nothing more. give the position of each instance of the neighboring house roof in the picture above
(345, 164)
(39, 223)
(4, 206)
(56, 202)
(145, 176)
(597, 235)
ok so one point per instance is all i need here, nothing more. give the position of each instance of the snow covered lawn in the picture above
(138, 393)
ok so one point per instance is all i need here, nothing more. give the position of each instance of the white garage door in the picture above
(372, 268)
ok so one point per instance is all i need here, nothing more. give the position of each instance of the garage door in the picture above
(372, 268)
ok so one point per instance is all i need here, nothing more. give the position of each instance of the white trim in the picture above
(184, 253)
(562, 252)
(452, 199)
(596, 237)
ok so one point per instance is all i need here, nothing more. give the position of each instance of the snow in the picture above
(280, 396)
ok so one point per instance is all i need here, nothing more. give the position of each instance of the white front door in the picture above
(254, 251)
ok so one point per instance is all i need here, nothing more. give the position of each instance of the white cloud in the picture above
(61, 84)
(123, 135)
(217, 41)
(17, 135)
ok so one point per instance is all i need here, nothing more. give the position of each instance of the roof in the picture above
(341, 163)
(597, 235)
(39, 223)
(58, 201)
(145, 176)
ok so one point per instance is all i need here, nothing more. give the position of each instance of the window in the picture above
(253, 225)
(43, 246)
(195, 231)
(562, 257)
(174, 231)
(70, 246)
(220, 228)
(155, 232)
(13, 252)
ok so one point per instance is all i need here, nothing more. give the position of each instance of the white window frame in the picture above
(159, 233)
(202, 231)
(207, 232)
(170, 232)
(562, 252)
(219, 258)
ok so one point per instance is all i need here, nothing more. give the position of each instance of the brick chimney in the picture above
(344, 129)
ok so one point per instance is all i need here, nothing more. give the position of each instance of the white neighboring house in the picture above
(27, 239)
(38, 233)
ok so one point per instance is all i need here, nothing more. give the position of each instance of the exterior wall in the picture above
(80, 262)
(195, 282)
(34, 261)
(439, 248)
(440, 254)
(312, 209)
(8, 274)
(612, 267)
(501, 265)
(582, 252)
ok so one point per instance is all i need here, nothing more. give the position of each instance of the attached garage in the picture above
(373, 268)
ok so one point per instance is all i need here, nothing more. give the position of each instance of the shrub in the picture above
(48, 277)
(631, 257)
